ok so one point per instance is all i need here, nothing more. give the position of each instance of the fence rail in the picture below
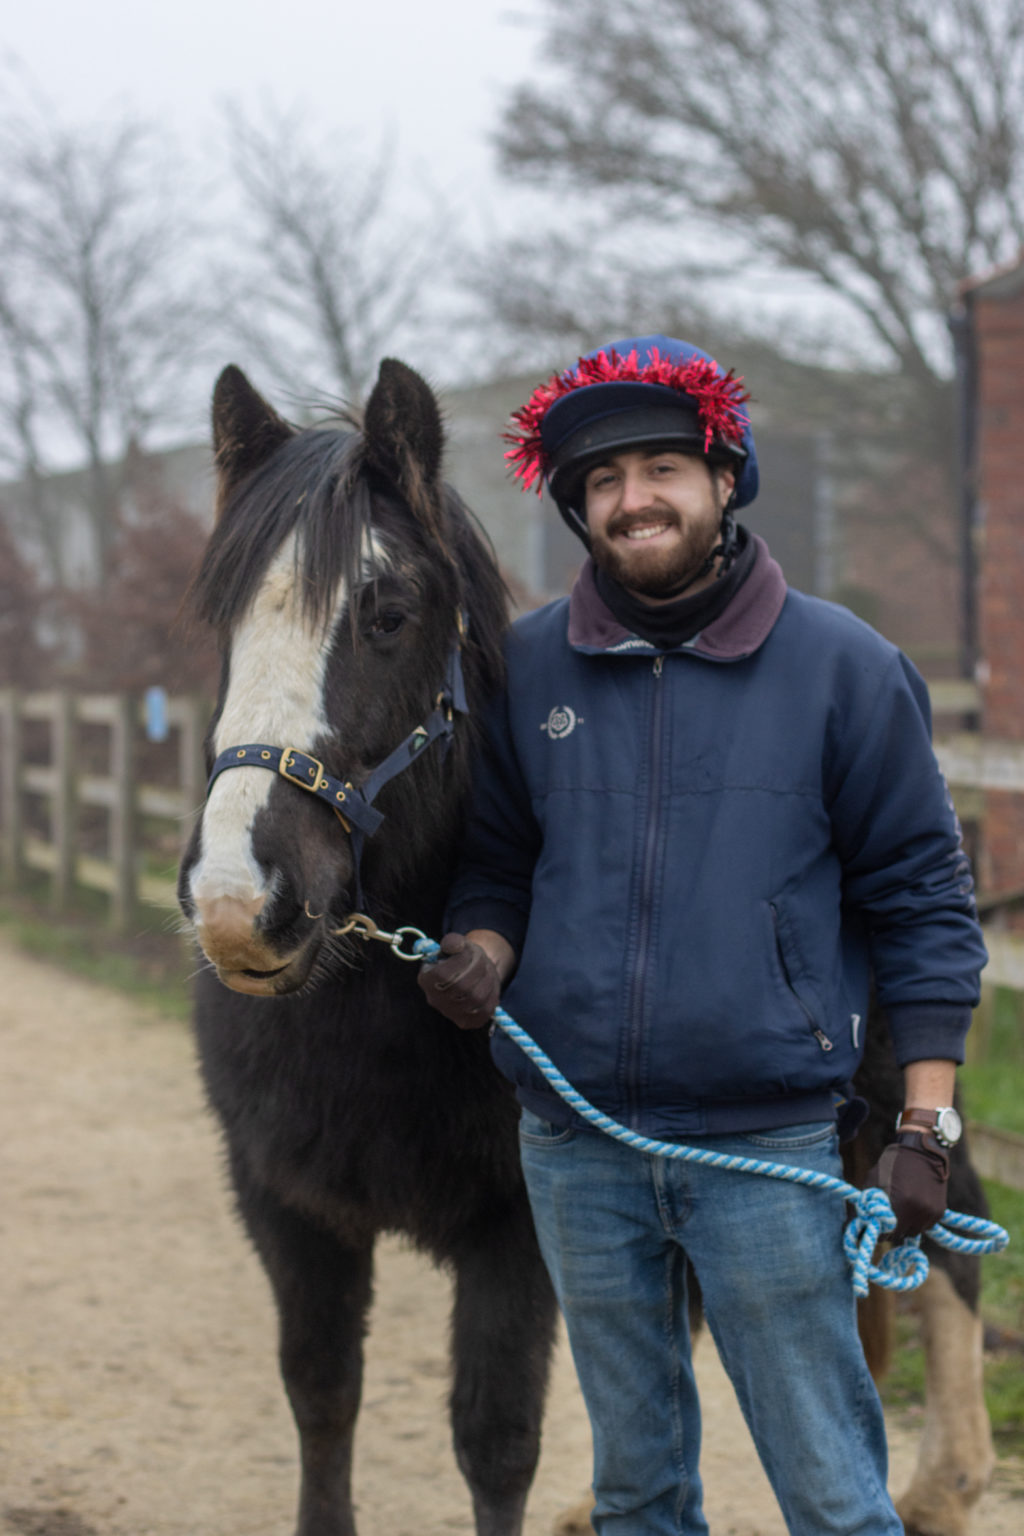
(971, 764)
(996, 1154)
(64, 789)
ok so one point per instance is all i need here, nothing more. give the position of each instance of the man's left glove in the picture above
(463, 983)
(913, 1171)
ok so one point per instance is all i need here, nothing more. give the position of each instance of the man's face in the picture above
(654, 518)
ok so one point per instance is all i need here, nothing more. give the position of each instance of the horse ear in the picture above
(403, 438)
(246, 430)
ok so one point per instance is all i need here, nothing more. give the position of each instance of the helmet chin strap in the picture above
(725, 551)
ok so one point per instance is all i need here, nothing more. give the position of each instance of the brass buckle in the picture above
(301, 780)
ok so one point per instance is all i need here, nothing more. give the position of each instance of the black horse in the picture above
(353, 598)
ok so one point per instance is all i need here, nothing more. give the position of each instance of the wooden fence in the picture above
(971, 764)
(47, 836)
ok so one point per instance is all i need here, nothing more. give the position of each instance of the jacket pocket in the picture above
(791, 967)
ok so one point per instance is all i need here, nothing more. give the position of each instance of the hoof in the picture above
(934, 1512)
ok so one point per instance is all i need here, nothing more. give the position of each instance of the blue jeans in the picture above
(616, 1227)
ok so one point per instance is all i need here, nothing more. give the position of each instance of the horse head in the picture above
(348, 586)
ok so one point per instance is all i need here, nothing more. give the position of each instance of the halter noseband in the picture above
(351, 803)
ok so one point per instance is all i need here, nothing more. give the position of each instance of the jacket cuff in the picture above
(488, 912)
(928, 1031)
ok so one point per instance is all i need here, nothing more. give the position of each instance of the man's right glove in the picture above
(913, 1170)
(464, 984)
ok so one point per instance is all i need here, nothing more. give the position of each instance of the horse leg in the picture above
(956, 1457)
(322, 1289)
(502, 1331)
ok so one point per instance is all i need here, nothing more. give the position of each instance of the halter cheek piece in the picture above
(353, 804)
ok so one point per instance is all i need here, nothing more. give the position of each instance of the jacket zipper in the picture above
(637, 1027)
(818, 1033)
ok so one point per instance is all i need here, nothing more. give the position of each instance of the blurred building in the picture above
(992, 352)
(832, 529)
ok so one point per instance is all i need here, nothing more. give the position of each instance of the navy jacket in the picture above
(700, 856)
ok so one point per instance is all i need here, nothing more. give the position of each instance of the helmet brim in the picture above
(672, 425)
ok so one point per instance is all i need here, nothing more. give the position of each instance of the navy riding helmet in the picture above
(642, 391)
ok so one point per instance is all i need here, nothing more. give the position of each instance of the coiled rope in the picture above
(902, 1268)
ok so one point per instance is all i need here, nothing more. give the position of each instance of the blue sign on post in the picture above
(156, 714)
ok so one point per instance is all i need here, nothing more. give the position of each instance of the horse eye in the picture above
(387, 622)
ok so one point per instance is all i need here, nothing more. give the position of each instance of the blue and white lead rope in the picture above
(900, 1269)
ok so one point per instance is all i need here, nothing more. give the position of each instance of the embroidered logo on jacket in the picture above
(562, 721)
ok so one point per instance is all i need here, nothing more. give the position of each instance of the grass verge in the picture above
(150, 963)
(992, 1079)
(1002, 1307)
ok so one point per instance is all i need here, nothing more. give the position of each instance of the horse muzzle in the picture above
(246, 960)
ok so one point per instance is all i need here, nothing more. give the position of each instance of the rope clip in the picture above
(365, 928)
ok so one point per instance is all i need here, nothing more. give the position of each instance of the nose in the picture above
(226, 929)
(636, 491)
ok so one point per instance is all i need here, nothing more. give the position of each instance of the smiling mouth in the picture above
(646, 531)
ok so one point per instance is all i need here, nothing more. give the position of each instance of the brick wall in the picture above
(997, 307)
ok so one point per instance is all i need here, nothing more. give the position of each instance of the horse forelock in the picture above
(312, 486)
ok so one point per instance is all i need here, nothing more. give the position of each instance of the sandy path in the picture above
(138, 1388)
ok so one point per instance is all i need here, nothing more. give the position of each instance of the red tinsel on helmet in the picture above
(718, 398)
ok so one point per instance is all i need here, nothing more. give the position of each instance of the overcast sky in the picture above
(433, 73)
(428, 78)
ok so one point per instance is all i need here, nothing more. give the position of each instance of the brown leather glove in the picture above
(463, 984)
(914, 1171)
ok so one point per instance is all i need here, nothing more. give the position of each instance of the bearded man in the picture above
(708, 812)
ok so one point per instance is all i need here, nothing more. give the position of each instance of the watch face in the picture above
(948, 1127)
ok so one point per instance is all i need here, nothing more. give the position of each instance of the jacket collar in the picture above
(738, 632)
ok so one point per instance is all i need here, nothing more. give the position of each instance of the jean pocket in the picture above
(535, 1132)
(785, 1138)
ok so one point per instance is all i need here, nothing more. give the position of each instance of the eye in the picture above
(600, 479)
(388, 622)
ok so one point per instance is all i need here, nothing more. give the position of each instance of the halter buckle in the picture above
(300, 769)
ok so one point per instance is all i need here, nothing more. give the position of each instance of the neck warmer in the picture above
(668, 625)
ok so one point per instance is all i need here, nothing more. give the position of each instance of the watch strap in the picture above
(921, 1119)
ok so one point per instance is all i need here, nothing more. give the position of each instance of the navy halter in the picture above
(351, 803)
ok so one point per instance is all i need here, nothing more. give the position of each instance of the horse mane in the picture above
(318, 485)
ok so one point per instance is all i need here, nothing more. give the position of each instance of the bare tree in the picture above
(876, 145)
(21, 655)
(326, 274)
(96, 314)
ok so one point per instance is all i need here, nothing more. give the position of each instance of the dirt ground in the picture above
(138, 1387)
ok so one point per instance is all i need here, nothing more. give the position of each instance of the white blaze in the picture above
(274, 695)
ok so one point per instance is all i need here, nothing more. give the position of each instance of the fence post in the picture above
(62, 727)
(124, 892)
(192, 764)
(11, 809)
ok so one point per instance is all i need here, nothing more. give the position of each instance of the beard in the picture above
(658, 573)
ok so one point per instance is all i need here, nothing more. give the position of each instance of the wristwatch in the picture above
(944, 1124)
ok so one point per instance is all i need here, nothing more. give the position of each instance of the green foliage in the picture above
(993, 1077)
(1004, 1394)
(1002, 1292)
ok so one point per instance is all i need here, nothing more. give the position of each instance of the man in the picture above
(707, 810)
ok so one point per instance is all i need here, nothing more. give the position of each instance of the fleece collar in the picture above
(738, 632)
